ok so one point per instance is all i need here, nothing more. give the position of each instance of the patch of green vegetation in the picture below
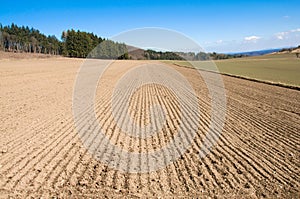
(278, 68)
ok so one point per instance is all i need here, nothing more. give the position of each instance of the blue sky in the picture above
(221, 26)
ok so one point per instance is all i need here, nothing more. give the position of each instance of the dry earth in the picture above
(41, 153)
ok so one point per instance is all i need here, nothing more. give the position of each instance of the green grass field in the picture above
(281, 68)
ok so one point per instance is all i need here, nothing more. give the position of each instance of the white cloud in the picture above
(252, 38)
(285, 35)
(281, 35)
(286, 16)
(295, 30)
(218, 42)
(282, 39)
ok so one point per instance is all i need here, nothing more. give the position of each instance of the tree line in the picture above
(73, 43)
(24, 39)
(190, 56)
(289, 49)
(154, 55)
(82, 44)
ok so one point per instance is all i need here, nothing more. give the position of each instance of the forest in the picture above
(24, 39)
(80, 44)
(73, 43)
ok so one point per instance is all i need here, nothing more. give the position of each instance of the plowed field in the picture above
(41, 154)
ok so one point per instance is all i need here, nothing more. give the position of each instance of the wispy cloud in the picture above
(252, 38)
(295, 30)
(287, 38)
(286, 17)
(281, 35)
(285, 35)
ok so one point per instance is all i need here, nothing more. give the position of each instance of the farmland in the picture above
(277, 68)
(41, 153)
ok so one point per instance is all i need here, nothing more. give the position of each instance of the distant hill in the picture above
(290, 50)
(257, 52)
(135, 53)
(269, 51)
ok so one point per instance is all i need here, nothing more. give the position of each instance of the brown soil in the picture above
(12, 56)
(41, 153)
